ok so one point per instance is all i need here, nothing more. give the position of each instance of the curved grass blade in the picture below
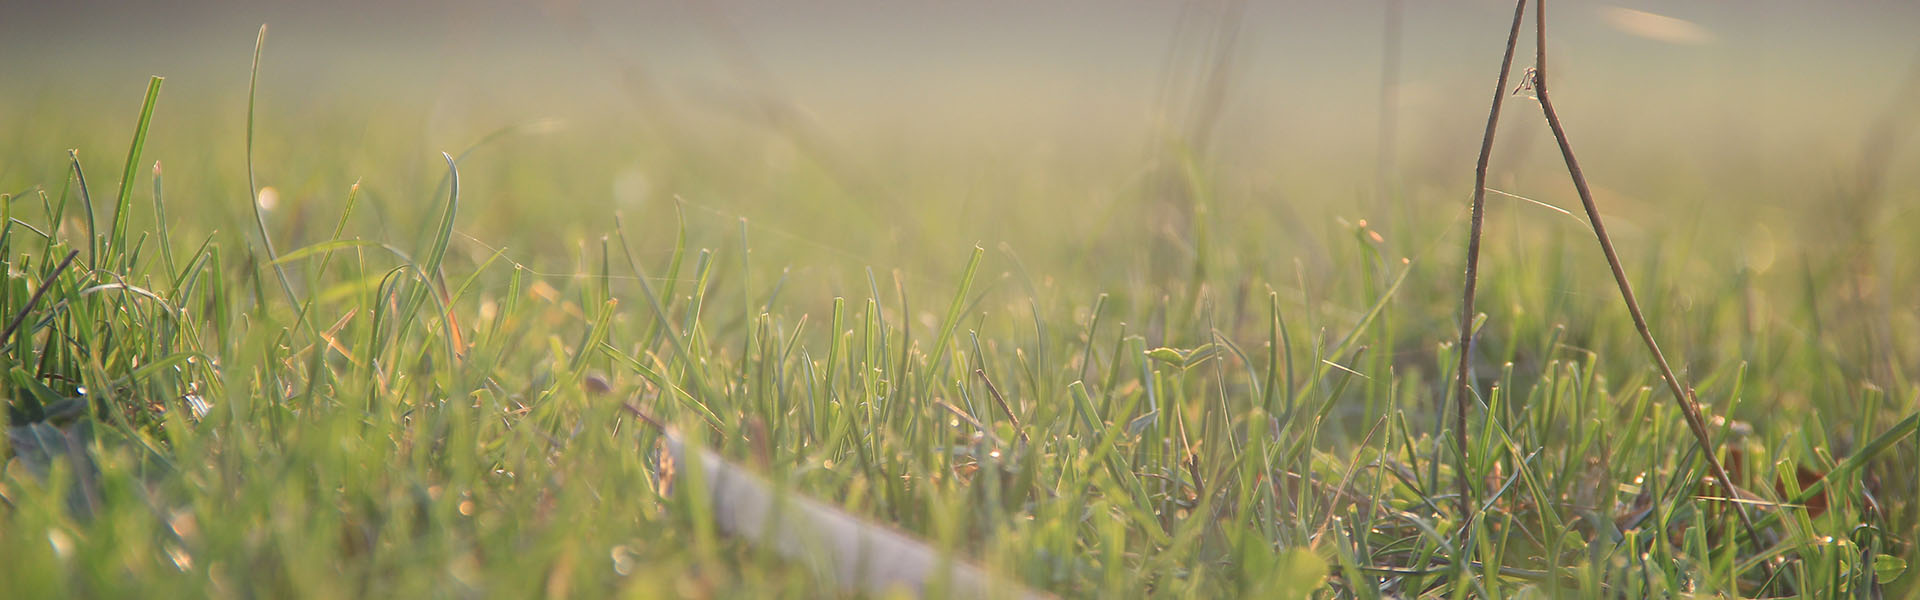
(253, 186)
(117, 239)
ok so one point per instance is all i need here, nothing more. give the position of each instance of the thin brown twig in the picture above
(34, 300)
(1004, 408)
(961, 414)
(645, 417)
(1696, 422)
(1473, 266)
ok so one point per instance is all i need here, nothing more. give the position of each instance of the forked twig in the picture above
(1473, 266)
(1537, 78)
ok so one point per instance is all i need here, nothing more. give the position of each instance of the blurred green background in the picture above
(1104, 144)
(986, 119)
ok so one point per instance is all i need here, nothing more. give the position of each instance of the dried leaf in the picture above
(38, 445)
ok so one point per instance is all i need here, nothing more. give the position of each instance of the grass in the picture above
(444, 414)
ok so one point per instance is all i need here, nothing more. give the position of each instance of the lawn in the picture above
(262, 343)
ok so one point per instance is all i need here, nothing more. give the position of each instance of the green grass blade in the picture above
(117, 240)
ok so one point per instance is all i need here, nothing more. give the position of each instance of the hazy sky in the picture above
(1302, 69)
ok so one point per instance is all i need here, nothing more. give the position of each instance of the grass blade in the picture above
(253, 186)
(117, 239)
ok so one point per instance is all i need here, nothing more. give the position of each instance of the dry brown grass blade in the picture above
(861, 556)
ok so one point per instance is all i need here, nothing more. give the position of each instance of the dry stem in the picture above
(1696, 422)
(1473, 268)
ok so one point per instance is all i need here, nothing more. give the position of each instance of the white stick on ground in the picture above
(858, 555)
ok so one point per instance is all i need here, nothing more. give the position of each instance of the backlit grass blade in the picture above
(160, 224)
(952, 319)
(86, 204)
(117, 240)
(253, 185)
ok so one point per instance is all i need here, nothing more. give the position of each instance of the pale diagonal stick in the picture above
(858, 554)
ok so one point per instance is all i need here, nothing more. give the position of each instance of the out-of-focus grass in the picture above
(1289, 439)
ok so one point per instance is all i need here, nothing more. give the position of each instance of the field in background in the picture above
(1221, 320)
